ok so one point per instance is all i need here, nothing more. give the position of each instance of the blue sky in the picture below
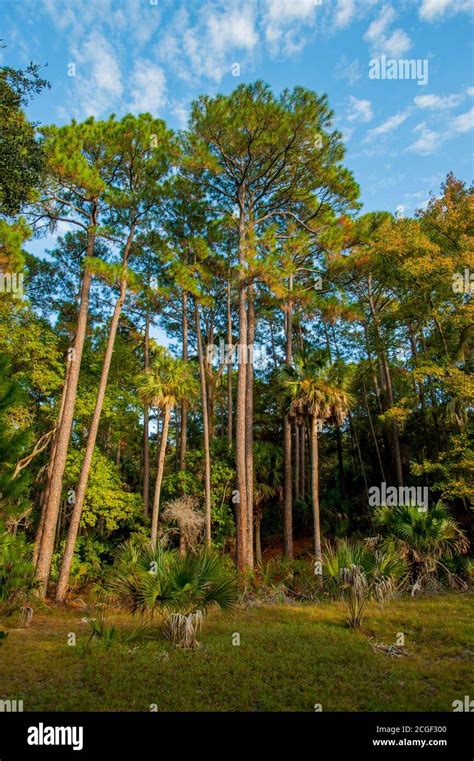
(134, 55)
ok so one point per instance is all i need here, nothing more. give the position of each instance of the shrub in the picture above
(17, 572)
(427, 538)
(150, 581)
(356, 573)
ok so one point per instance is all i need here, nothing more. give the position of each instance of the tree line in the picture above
(347, 358)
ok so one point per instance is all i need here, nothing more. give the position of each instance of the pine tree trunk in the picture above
(249, 425)
(287, 467)
(387, 385)
(159, 475)
(146, 424)
(372, 429)
(315, 496)
(183, 435)
(303, 462)
(90, 446)
(340, 461)
(297, 428)
(258, 541)
(44, 499)
(46, 549)
(229, 368)
(205, 425)
(241, 505)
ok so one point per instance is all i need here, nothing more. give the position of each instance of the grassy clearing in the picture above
(289, 658)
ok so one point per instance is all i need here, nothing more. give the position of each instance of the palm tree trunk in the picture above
(205, 426)
(159, 475)
(146, 425)
(90, 446)
(315, 497)
(46, 549)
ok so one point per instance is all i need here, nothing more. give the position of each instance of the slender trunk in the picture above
(90, 446)
(44, 497)
(241, 504)
(229, 367)
(387, 386)
(340, 461)
(303, 462)
(159, 475)
(117, 456)
(146, 424)
(249, 424)
(205, 426)
(258, 541)
(297, 429)
(287, 469)
(93, 431)
(184, 406)
(64, 432)
(372, 429)
(315, 498)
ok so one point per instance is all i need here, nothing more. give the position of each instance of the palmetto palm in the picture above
(317, 389)
(356, 572)
(166, 383)
(426, 537)
(149, 580)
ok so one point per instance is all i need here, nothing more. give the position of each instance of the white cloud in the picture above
(382, 40)
(208, 45)
(350, 71)
(148, 88)
(285, 23)
(387, 126)
(470, 91)
(432, 10)
(180, 110)
(428, 141)
(464, 122)
(436, 102)
(345, 11)
(359, 110)
(98, 81)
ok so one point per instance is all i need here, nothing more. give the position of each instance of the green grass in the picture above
(289, 659)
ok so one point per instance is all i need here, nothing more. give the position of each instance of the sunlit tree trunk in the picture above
(205, 425)
(315, 497)
(90, 446)
(44, 499)
(159, 474)
(287, 468)
(184, 407)
(249, 424)
(81, 490)
(46, 549)
(146, 424)
(229, 367)
(240, 439)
